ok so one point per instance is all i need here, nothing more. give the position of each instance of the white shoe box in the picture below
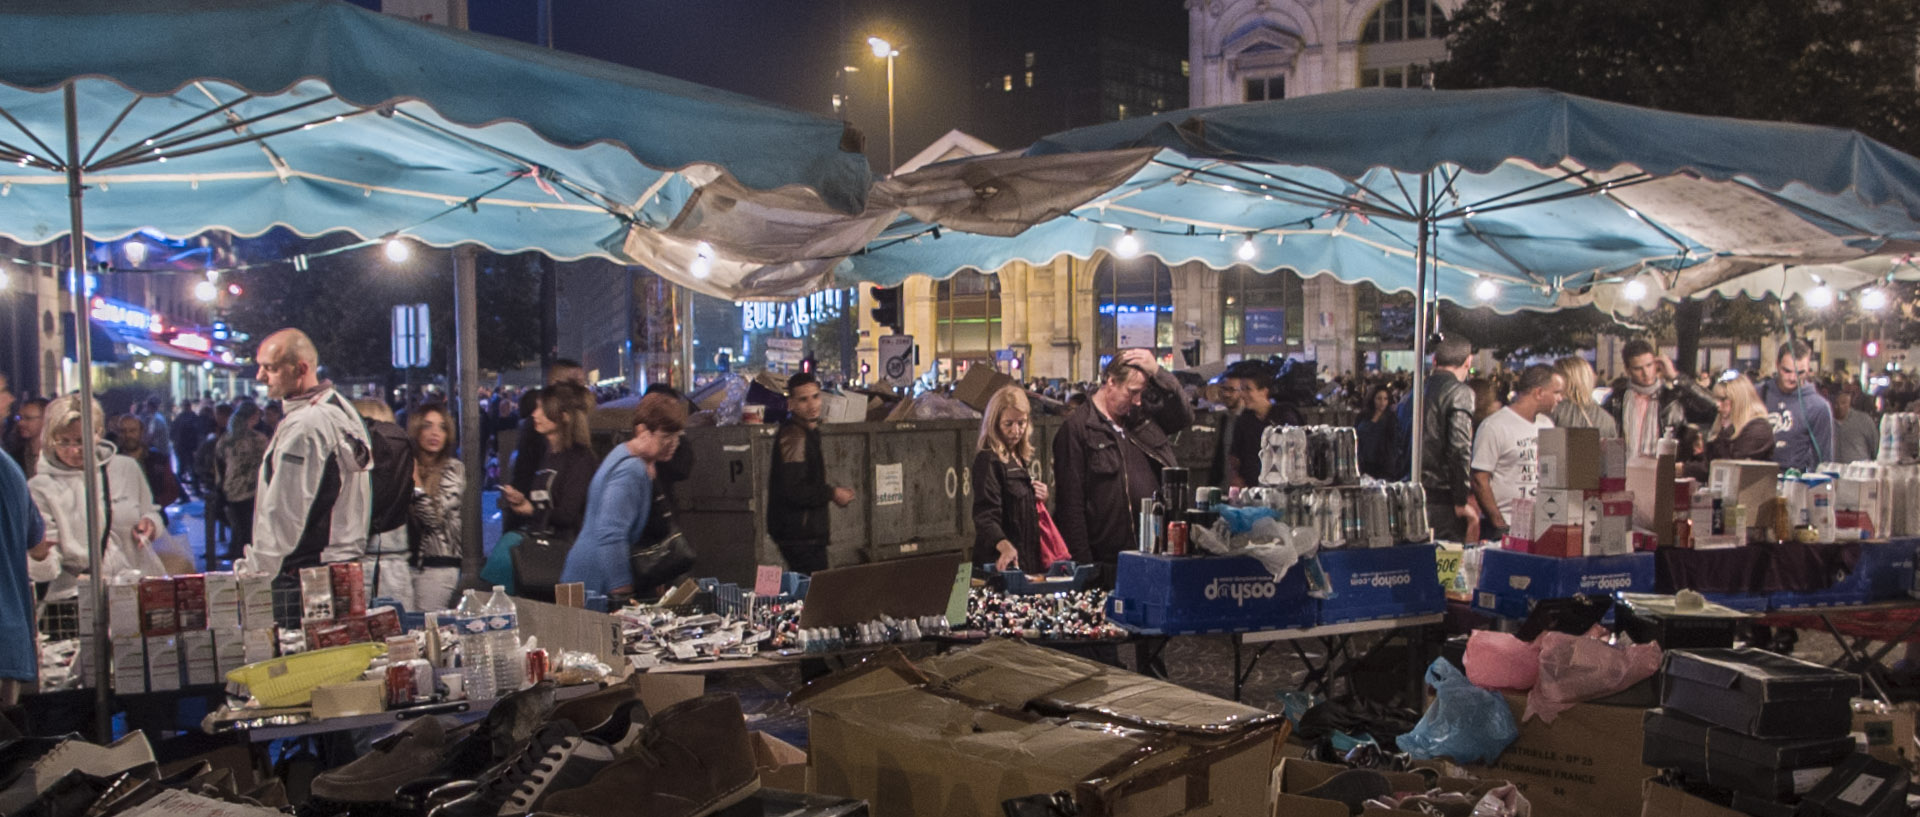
(163, 663)
(197, 657)
(129, 657)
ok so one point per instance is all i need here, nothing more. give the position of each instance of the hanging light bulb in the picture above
(1635, 290)
(1874, 299)
(1486, 290)
(398, 251)
(1246, 252)
(702, 265)
(1128, 246)
(1819, 297)
(205, 291)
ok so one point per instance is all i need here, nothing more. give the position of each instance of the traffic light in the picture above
(1870, 348)
(886, 307)
(807, 364)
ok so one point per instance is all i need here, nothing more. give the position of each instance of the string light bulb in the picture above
(397, 250)
(1635, 290)
(1128, 246)
(1246, 252)
(205, 291)
(1486, 290)
(1820, 297)
(1874, 299)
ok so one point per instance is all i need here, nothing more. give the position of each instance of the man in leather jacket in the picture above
(1447, 445)
(1667, 397)
(1108, 454)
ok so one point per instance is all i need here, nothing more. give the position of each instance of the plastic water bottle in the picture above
(476, 655)
(503, 642)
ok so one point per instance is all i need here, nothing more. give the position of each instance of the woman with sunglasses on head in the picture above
(1741, 432)
(129, 519)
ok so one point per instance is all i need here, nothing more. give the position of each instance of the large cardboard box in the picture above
(1586, 762)
(1185, 594)
(1758, 693)
(1570, 458)
(977, 386)
(1374, 583)
(1750, 484)
(1651, 481)
(957, 734)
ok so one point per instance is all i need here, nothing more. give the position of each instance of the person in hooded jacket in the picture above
(129, 520)
(1802, 419)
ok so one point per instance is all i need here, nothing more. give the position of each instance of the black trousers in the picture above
(804, 556)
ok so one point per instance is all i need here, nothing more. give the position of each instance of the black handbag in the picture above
(667, 558)
(541, 556)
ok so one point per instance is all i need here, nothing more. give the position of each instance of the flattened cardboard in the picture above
(944, 739)
(903, 588)
(782, 765)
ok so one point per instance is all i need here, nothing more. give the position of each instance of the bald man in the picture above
(313, 502)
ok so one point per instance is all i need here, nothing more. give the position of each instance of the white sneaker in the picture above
(76, 755)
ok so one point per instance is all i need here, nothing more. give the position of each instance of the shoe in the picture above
(473, 750)
(397, 758)
(76, 755)
(18, 755)
(558, 758)
(592, 709)
(696, 759)
(76, 792)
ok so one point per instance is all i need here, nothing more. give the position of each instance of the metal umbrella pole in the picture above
(89, 454)
(1425, 224)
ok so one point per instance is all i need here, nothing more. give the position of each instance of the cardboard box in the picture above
(256, 602)
(1665, 801)
(258, 643)
(1882, 571)
(1570, 458)
(348, 699)
(1296, 775)
(223, 601)
(316, 594)
(383, 623)
(1886, 732)
(1613, 463)
(782, 765)
(1651, 481)
(957, 734)
(1750, 484)
(157, 613)
(1374, 583)
(1561, 542)
(977, 386)
(1447, 557)
(229, 650)
(1677, 742)
(1522, 523)
(1586, 762)
(129, 663)
(1861, 786)
(190, 601)
(197, 661)
(1177, 594)
(1758, 693)
(1554, 508)
(349, 589)
(1610, 532)
(123, 609)
(1509, 580)
(163, 663)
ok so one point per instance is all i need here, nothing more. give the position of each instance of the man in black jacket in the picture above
(1656, 400)
(1447, 445)
(797, 490)
(1108, 454)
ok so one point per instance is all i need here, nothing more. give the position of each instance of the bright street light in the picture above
(205, 291)
(1873, 300)
(1486, 290)
(1246, 252)
(1635, 290)
(881, 48)
(397, 250)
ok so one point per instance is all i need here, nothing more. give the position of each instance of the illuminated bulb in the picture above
(3, 279)
(205, 291)
(1246, 252)
(1873, 300)
(702, 265)
(1635, 290)
(1819, 297)
(1486, 290)
(398, 251)
(881, 48)
(1128, 246)
(136, 253)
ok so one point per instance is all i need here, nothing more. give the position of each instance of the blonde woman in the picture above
(1006, 497)
(1578, 409)
(129, 520)
(1742, 432)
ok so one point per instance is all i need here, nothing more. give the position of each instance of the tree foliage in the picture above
(1847, 63)
(345, 303)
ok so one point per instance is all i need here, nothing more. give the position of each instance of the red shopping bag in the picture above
(1053, 546)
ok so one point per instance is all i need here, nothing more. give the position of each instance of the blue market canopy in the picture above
(1533, 199)
(319, 115)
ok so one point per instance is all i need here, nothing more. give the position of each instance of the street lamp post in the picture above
(885, 50)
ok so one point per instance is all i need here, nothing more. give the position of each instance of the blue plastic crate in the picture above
(1018, 583)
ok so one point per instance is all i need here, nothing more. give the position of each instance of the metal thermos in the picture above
(1174, 486)
(1153, 525)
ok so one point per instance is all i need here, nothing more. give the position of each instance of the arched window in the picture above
(1261, 312)
(1399, 41)
(966, 318)
(1134, 299)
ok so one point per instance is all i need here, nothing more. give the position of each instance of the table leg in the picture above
(1869, 671)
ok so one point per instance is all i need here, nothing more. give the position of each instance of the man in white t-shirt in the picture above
(1505, 467)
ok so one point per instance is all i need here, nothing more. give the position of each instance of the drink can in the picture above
(399, 683)
(536, 665)
(1176, 538)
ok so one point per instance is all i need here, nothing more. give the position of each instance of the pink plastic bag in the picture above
(1580, 668)
(1499, 661)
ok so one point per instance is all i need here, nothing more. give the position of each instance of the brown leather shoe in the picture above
(694, 761)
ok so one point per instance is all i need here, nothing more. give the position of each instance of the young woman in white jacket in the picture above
(128, 516)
